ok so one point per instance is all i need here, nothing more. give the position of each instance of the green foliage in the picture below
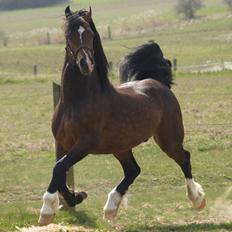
(188, 7)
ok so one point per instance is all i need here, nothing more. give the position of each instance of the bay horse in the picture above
(94, 117)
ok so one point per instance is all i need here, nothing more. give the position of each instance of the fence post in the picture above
(35, 70)
(223, 65)
(5, 42)
(175, 64)
(70, 174)
(109, 32)
(48, 38)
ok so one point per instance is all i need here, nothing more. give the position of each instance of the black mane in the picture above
(146, 61)
(101, 63)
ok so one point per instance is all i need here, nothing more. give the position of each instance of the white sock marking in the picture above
(50, 204)
(195, 192)
(113, 201)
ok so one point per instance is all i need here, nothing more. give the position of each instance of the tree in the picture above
(188, 7)
(229, 3)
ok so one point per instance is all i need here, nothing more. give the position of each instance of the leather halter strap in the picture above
(74, 54)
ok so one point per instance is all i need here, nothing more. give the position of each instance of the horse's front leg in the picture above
(131, 171)
(58, 183)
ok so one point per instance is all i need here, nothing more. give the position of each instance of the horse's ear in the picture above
(90, 11)
(169, 63)
(88, 16)
(67, 12)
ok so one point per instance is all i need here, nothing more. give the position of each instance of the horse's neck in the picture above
(76, 88)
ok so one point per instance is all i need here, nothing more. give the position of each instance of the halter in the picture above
(74, 54)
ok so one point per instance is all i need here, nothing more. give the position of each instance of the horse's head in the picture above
(79, 39)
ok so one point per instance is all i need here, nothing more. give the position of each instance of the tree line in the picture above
(188, 8)
(22, 4)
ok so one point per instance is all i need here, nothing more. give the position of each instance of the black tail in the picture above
(146, 61)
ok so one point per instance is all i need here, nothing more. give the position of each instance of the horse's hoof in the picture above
(110, 214)
(203, 204)
(200, 201)
(195, 194)
(80, 196)
(45, 219)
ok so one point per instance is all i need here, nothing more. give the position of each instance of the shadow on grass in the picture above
(188, 227)
(80, 217)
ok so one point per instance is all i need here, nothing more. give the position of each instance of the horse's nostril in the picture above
(82, 62)
(84, 65)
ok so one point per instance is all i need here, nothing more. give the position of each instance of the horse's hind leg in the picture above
(194, 190)
(170, 141)
(131, 171)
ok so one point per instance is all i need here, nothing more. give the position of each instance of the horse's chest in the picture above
(77, 126)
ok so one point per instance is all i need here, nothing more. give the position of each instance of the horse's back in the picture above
(150, 88)
(158, 97)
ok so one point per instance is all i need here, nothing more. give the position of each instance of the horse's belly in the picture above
(122, 139)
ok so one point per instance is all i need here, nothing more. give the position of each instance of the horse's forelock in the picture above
(73, 21)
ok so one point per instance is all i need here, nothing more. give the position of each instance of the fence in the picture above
(207, 67)
(43, 36)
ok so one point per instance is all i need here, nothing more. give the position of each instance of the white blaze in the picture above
(81, 31)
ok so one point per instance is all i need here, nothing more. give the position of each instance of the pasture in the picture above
(157, 200)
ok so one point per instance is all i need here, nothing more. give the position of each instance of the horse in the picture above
(94, 117)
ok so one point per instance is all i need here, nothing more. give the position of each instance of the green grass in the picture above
(156, 200)
(103, 11)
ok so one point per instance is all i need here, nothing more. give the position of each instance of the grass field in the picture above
(157, 199)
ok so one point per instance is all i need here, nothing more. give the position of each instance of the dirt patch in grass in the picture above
(56, 228)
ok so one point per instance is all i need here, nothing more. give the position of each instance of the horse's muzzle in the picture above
(86, 66)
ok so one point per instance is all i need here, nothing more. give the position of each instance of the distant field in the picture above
(191, 46)
(204, 40)
(104, 12)
(126, 18)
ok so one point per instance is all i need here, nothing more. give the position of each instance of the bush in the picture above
(21, 4)
(229, 3)
(188, 7)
